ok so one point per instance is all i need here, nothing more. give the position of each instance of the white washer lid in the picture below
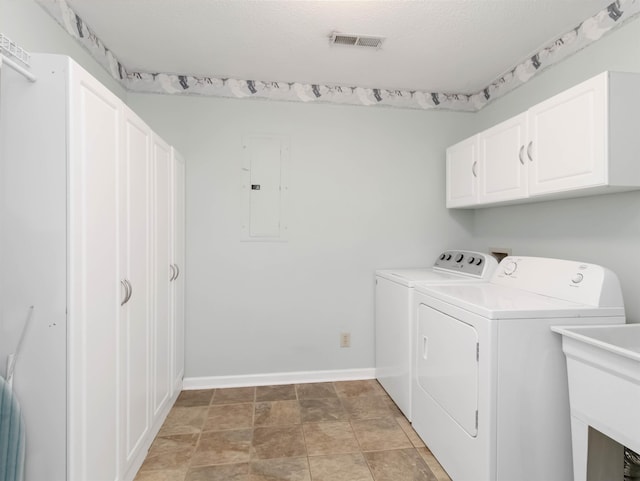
(409, 277)
(502, 302)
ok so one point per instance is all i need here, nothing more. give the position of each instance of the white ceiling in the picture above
(432, 45)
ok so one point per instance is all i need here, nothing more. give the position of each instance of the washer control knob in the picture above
(510, 267)
(479, 261)
(577, 279)
(471, 259)
(459, 257)
(443, 256)
(448, 257)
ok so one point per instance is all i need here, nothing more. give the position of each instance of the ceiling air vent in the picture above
(356, 40)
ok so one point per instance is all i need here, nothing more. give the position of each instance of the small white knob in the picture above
(577, 279)
(510, 267)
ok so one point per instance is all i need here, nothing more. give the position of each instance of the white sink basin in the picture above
(603, 367)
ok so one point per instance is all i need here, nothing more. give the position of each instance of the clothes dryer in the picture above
(490, 396)
(395, 326)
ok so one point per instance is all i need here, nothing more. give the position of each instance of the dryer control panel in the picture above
(573, 281)
(473, 264)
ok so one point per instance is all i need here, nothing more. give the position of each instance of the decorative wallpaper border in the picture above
(590, 30)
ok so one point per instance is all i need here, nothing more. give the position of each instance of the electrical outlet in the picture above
(345, 339)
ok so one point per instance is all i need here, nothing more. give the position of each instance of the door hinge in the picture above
(477, 352)
(476, 419)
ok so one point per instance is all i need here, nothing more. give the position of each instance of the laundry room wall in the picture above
(366, 192)
(26, 23)
(602, 229)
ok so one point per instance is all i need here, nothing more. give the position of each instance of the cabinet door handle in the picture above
(474, 170)
(177, 271)
(520, 154)
(425, 347)
(172, 276)
(529, 151)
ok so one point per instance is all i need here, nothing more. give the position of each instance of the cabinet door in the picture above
(502, 169)
(179, 263)
(162, 256)
(568, 139)
(94, 284)
(135, 263)
(462, 173)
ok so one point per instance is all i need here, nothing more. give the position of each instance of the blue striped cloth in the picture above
(11, 435)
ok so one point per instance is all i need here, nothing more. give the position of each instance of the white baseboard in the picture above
(278, 378)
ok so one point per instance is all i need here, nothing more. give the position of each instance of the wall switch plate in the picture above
(345, 339)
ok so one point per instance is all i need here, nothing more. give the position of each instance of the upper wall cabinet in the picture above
(579, 142)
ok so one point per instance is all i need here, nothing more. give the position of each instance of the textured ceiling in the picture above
(456, 46)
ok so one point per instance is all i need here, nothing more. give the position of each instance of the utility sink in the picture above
(603, 367)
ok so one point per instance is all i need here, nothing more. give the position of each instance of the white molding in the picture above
(277, 378)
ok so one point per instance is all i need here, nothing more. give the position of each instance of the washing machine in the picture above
(394, 320)
(490, 396)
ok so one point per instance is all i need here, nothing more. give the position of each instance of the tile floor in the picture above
(340, 431)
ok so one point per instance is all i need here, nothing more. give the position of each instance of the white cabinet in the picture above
(88, 221)
(462, 173)
(178, 266)
(502, 165)
(94, 287)
(162, 244)
(579, 142)
(135, 278)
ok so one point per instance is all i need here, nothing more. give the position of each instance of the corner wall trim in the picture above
(273, 379)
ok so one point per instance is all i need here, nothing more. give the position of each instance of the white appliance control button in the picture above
(459, 257)
(479, 261)
(442, 257)
(577, 279)
(510, 267)
(471, 259)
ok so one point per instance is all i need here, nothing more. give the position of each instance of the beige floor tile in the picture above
(171, 453)
(317, 410)
(228, 472)
(379, 434)
(284, 469)
(234, 395)
(276, 413)
(395, 410)
(330, 438)
(184, 420)
(276, 393)
(199, 397)
(340, 467)
(402, 464)
(367, 407)
(278, 442)
(163, 475)
(315, 390)
(411, 434)
(223, 447)
(434, 465)
(368, 387)
(229, 416)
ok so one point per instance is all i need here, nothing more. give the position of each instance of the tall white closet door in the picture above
(179, 262)
(162, 244)
(94, 285)
(135, 265)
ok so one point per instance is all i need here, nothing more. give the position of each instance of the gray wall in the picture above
(366, 191)
(601, 229)
(33, 29)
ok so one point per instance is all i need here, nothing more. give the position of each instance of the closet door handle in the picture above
(173, 272)
(529, 151)
(127, 291)
(177, 271)
(520, 155)
(130, 290)
(474, 170)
